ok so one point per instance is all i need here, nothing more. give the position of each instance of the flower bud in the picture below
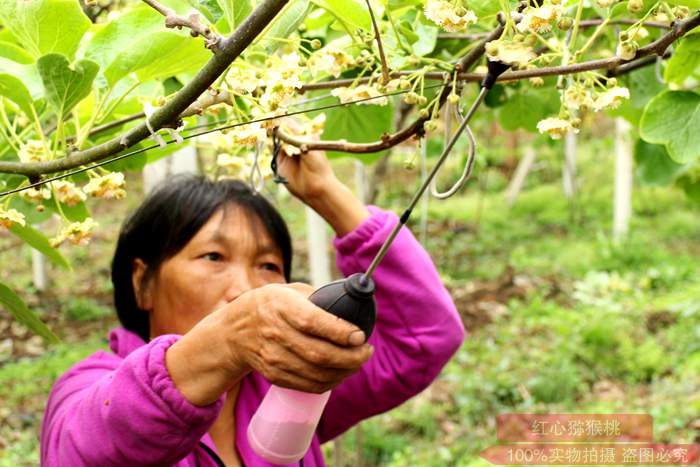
(316, 44)
(635, 6)
(453, 99)
(422, 100)
(565, 23)
(430, 125)
(424, 113)
(537, 81)
(404, 83)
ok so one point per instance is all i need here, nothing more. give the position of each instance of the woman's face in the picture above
(226, 257)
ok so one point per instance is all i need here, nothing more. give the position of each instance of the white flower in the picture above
(106, 186)
(329, 60)
(611, 98)
(248, 134)
(555, 127)
(539, 19)
(449, 16)
(627, 50)
(11, 216)
(78, 233)
(67, 193)
(363, 91)
(36, 194)
(510, 52)
(33, 151)
(578, 97)
(243, 80)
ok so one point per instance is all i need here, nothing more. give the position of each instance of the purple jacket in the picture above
(122, 408)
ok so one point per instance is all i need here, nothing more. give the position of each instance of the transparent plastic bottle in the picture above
(282, 428)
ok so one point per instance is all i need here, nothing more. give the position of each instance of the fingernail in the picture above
(357, 338)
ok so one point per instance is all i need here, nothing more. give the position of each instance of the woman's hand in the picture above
(309, 175)
(280, 334)
(274, 330)
(311, 179)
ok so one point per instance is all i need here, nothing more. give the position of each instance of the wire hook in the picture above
(258, 185)
(468, 167)
(276, 147)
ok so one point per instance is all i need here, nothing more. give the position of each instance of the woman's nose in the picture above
(239, 281)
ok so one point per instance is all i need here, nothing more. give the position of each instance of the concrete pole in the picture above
(623, 180)
(569, 169)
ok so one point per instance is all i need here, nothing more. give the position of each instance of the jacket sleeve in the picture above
(416, 332)
(108, 411)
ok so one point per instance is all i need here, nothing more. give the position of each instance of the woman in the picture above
(200, 283)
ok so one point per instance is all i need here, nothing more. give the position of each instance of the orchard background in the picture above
(572, 252)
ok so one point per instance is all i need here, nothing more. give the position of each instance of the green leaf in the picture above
(12, 303)
(484, 8)
(65, 86)
(14, 89)
(358, 124)
(45, 26)
(353, 12)
(122, 34)
(654, 166)
(27, 74)
(692, 4)
(496, 97)
(15, 53)
(673, 119)
(235, 11)
(427, 38)
(209, 8)
(39, 242)
(684, 61)
(526, 109)
(283, 25)
(158, 55)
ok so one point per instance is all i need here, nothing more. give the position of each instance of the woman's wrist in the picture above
(199, 367)
(339, 207)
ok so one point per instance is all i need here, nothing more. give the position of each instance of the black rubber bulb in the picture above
(351, 299)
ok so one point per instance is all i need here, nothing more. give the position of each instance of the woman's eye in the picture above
(213, 256)
(272, 267)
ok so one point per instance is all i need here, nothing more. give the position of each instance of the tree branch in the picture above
(385, 68)
(230, 49)
(586, 23)
(173, 20)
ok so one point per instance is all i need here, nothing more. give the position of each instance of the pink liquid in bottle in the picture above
(282, 428)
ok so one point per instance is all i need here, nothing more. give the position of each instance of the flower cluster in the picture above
(362, 91)
(450, 17)
(283, 79)
(243, 81)
(78, 233)
(33, 151)
(106, 186)
(556, 127)
(511, 52)
(11, 216)
(67, 193)
(539, 19)
(36, 195)
(329, 60)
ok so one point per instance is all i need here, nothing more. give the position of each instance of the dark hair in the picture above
(167, 220)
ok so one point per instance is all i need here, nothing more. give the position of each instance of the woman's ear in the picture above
(142, 291)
